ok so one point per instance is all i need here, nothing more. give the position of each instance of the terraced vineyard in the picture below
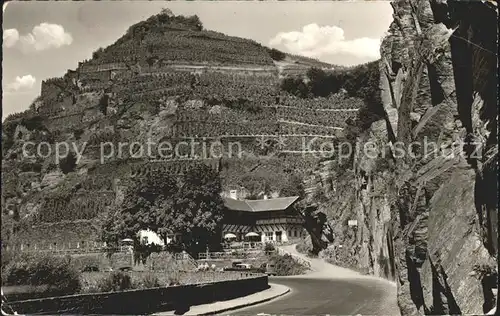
(166, 80)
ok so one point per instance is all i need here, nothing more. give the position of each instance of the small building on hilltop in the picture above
(274, 220)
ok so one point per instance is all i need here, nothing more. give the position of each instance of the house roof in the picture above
(276, 204)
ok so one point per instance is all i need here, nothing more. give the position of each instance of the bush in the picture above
(287, 265)
(239, 254)
(103, 104)
(87, 263)
(304, 246)
(7, 255)
(68, 163)
(268, 247)
(173, 278)
(34, 269)
(149, 280)
(276, 54)
(116, 281)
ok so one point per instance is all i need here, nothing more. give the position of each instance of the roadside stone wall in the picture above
(145, 301)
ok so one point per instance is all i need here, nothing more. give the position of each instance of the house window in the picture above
(269, 236)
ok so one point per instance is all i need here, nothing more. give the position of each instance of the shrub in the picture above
(276, 54)
(78, 133)
(149, 280)
(173, 277)
(103, 104)
(304, 246)
(116, 281)
(34, 269)
(287, 265)
(239, 254)
(87, 263)
(68, 163)
(7, 255)
(268, 247)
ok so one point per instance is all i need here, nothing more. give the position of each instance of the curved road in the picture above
(329, 290)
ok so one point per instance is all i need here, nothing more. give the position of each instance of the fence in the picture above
(243, 245)
(226, 255)
(71, 251)
(240, 250)
(187, 258)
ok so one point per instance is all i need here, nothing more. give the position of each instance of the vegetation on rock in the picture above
(276, 54)
(42, 270)
(287, 265)
(115, 281)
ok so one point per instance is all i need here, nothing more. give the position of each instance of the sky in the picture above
(44, 39)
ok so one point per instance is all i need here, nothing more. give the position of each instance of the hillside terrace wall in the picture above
(95, 75)
(82, 68)
(65, 122)
(63, 235)
(136, 302)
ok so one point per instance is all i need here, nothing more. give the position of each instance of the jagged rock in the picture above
(52, 179)
(430, 221)
(119, 192)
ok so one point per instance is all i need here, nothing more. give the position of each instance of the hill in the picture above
(167, 80)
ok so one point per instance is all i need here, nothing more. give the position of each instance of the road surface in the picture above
(329, 290)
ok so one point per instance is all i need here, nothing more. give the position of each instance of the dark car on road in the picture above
(266, 268)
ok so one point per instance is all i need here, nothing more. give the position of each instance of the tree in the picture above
(98, 53)
(103, 104)
(136, 211)
(68, 163)
(276, 54)
(294, 187)
(190, 205)
(195, 211)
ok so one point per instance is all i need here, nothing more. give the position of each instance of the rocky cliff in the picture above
(424, 192)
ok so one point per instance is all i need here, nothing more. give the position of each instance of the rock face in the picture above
(426, 214)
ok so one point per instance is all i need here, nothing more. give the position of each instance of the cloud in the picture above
(10, 37)
(21, 83)
(45, 36)
(323, 41)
